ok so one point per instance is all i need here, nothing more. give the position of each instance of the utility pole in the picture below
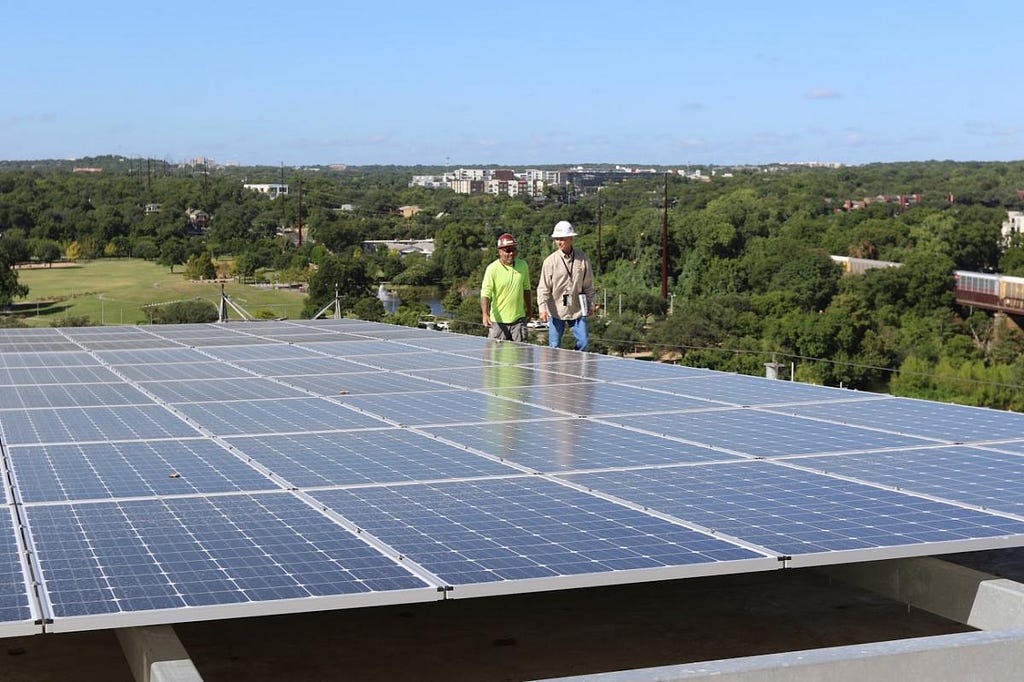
(299, 213)
(664, 243)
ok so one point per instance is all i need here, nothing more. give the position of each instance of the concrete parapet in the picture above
(976, 656)
(949, 590)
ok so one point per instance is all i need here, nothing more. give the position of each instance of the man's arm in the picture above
(485, 311)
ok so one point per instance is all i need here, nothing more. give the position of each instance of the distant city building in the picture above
(273, 190)
(152, 208)
(86, 169)
(409, 211)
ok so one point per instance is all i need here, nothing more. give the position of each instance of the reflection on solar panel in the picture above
(763, 434)
(162, 474)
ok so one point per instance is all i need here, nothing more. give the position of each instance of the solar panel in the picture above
(40, 359)
(30, 376)
(802, 514)
(739, 389)
(189, 472)
(190, 371)
(972, 476)
(484, 533)
(443, 407)
(592, 399)
(492, 376)
(299, 366)
(360, 457)
(293, 415)
(574, 444)
(17, 616)
(212, 390)
(764, 434)
(953, 423)
(360, 382)
(71, 395)
(197, 554)
(84, 424)
(150, 357)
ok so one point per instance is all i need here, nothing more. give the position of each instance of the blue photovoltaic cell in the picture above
(115, 557)
(147, 343)
(83, 471)
(53, 346)
(304, 336)
(357, 383)
(522, 354)
(593, 399)
(634, 372)
(14, 598)
(419, 359)
(83, 424)
(972, 476)
(320, 364)
(359, 457)
(444, 407)
(449, 343)
(397, 332)
(739, 389)
(492, 376)
(275, 416)
(36, 376)
(193, 371)
(796, 512)
(264, 351)
(953, 423)
(511, 529)
(35, 359)
(71, 395)
(216, 390)
(150, 357)
(763, 434)
(567, 444)
(364, 347)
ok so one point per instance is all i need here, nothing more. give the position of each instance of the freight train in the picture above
(989, 290)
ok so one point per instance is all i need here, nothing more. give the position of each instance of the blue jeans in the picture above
(556, 328)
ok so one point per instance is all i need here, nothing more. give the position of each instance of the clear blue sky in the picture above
(669, 82)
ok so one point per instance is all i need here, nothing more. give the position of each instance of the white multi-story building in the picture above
(273, 190)
(1013, 225)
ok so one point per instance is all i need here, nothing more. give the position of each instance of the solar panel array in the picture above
(163, 474)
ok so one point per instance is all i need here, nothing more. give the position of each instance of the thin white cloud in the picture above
(823, 93)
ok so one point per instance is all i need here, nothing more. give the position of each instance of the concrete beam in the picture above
(155, 654)
(976, 656)
(949, 590)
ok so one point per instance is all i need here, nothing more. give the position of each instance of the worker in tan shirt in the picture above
(566, 293)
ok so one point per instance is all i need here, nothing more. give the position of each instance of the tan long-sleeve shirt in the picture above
(562, 279)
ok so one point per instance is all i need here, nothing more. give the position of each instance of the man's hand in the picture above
(486, 320)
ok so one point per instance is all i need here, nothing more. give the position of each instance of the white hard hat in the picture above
(563, 228)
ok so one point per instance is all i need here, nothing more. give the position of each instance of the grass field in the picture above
(115, 291)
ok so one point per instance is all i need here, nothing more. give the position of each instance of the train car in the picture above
(989, 290)
(1011, 292)
(977, 288)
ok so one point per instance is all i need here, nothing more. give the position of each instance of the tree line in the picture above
(748, 268)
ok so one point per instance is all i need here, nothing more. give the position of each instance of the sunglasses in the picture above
(508, 249)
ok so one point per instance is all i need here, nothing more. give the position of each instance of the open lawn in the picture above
(114, 292)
